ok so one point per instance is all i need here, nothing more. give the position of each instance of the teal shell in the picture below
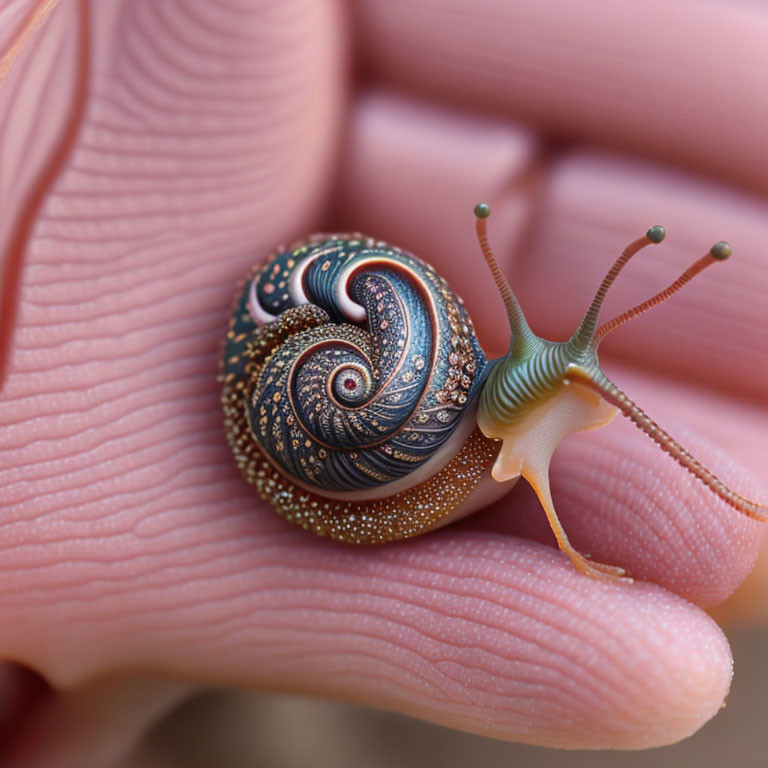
(375, 384)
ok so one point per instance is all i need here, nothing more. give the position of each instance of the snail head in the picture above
(542, 390)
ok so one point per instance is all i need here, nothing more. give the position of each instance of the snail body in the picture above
(359, 403)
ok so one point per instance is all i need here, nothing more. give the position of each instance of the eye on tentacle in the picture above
(542, 391)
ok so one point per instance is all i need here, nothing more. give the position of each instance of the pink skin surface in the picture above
(135, 565)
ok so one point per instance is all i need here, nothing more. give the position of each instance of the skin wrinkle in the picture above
(204, 161)
(376, 594)
(155, 91)
(135, 341)
(308, 574)
(55, 436)
(354, 616)
(504, 701)
(672, 555)
(644, 520)
(171, 270)
(140, 249)
(132, 309)
(650, 498)
(189, 456)
(194, 385)
(268, 41)
(189, 125)
(193, 389)
(356, 636)
(101, 144)
(96, 440)
(126, 222)
(138, 577)
(103, 485)
(170, 178)
(251, 171)
(129, 218)
(181, 113)
(282, 17)
(294, 655)
(202, 22)
(468, 646)
(685, 534)
(116, 229)
(43, 511)
(683, 486)
(160, 374)
(164, 66)
(402, 696)
(103, 283)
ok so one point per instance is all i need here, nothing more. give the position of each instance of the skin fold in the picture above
(136, 566)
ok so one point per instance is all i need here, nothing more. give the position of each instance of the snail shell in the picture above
(351, 372)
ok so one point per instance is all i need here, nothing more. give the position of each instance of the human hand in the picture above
(136, 565)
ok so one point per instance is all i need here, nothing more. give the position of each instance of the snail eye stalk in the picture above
(522, 335)
(526, 404)
(718, 252)
(585, 333)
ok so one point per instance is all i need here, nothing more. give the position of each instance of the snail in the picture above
(359, 403)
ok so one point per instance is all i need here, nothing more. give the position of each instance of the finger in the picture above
(624, 502)
(649, 77)
(176, 177)
(478, 632)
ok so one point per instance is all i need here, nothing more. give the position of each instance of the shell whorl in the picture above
(361, 363)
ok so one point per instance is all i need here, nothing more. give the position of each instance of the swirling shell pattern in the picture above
(349, 364)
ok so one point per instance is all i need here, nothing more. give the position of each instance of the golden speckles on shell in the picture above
(400, 516)
(257, 415)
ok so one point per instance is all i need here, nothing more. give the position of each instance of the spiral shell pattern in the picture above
(357, 362)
